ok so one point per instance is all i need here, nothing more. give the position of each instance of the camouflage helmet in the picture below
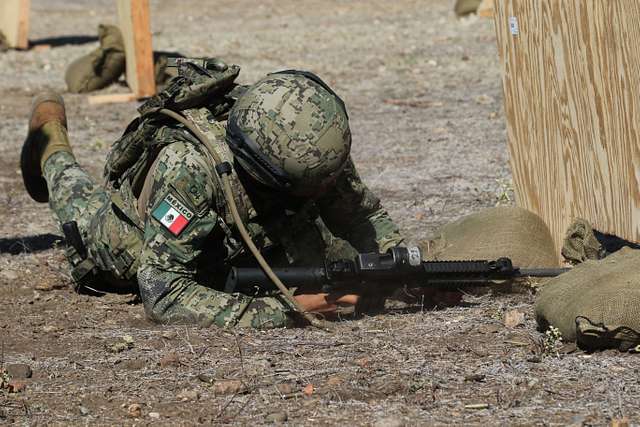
(290, 131)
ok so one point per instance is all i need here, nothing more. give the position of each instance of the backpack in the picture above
(201, 83)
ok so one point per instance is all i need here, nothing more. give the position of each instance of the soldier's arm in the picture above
(178, 222)
(352, 212)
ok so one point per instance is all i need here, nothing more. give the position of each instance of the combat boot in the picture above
(47, 135)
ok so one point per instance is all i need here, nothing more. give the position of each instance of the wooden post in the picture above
(136, 32)
(14, 22)
(571, 86)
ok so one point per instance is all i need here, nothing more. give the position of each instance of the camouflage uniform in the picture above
(180, 274)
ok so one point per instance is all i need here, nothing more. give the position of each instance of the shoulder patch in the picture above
(172, 214)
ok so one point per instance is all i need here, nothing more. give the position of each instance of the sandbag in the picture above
(596, 304)
(493, 233)
(466, 7)
(101, 67)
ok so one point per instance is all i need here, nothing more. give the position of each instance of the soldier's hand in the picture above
(324, 302)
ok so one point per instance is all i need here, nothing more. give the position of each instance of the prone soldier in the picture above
(161, 224)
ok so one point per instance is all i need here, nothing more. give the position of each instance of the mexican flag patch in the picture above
(172, 214)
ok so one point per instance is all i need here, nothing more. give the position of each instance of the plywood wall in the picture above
(571, 73)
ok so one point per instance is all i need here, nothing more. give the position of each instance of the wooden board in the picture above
(571, 72)
(112, 98)
(14, 22)
(136, 30)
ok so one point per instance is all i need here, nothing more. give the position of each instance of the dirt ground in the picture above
(424, 95)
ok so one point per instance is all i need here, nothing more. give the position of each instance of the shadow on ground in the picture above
(63, 40)
(29, 244)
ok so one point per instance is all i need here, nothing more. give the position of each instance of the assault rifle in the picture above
(398, 267)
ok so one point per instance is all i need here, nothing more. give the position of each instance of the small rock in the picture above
(308, 390)
(170, 359)
(228, 387)
(205, 378)
(134, 410)
(334, 381)
(484, 100)
(284, 388)
(187, 395)
(169, 335)
(50, 328)
(513, 318)
(475, 378)
(16, 386)
(83, 411)
(362, 362)
(277, 417)
(154, 415)
(19, 370)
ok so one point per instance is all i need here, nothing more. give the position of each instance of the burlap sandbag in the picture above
(101, 67)
(493, 233)
(597, 303)
(465, 7)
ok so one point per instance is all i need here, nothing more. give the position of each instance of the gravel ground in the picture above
(424, 95)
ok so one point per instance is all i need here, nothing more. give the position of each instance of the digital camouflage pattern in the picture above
(180, 277)
(299, 125)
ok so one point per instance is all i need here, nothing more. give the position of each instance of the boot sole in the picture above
(34, 183)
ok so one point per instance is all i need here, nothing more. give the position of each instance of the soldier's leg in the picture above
(49, 169)
(73, 195)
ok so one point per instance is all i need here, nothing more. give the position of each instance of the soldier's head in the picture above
(290, 132)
